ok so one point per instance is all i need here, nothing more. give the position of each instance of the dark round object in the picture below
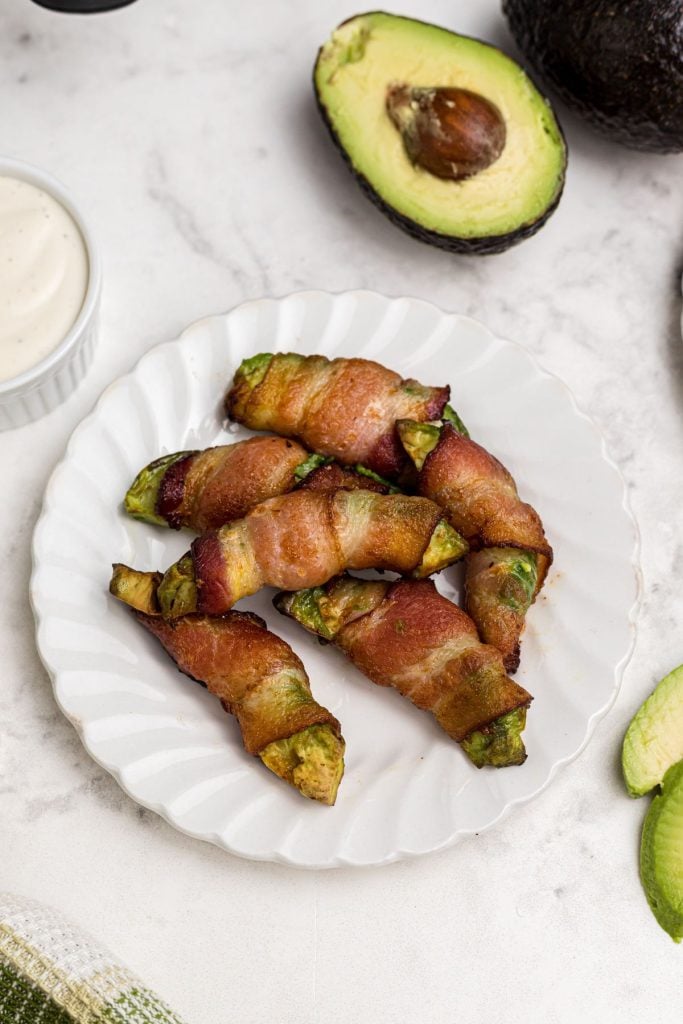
(82, 6)
(619, 63)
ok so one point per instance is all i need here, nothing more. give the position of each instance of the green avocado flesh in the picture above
(326, 610)
(661, 854)
(517, 572)
(252, 371)
(450, 416)
(306, 467)
(500, 744)
(141, 497)
(177, 592)
(505, 200)
(311, 760)
(305, 607)
(136, 589)
(445, 547)
(418, 439)
(654, 739)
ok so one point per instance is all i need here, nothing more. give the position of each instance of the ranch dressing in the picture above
(43, 275)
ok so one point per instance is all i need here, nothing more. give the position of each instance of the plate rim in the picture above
(400, 854)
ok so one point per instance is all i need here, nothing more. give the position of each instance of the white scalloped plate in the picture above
(408, 789)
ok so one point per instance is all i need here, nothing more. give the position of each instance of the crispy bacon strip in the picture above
(305, 538)
(346, 408)
(257, 677)
(408, 636)
(333, 477)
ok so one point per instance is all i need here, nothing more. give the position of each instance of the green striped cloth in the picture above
(52, 973)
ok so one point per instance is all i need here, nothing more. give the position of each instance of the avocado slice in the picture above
(311, 760)
(446, 134)
(177, 591)
(619, 65)
(136, 589)
(500, 744)
(418, 439)
(445, 547)
(661, 854)
(449, 415)
(654, 739)
(308, 466)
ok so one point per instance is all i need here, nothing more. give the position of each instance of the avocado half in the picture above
(661, 854)
(620, 65)
(446, 134)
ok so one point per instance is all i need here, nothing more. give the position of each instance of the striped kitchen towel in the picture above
(53, 973)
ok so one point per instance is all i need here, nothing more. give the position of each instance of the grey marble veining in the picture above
(189, 134)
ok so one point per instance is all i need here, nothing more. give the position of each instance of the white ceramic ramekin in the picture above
(46, 385)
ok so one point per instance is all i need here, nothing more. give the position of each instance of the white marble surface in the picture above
(188, 133)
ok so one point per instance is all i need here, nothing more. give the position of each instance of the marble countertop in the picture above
(189, 135)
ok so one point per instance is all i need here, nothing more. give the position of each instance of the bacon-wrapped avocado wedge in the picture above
(510, 556)
(305, 538)
(203, 490)
(500, 587)
(346, 408)
(257, 677)
(408, 636)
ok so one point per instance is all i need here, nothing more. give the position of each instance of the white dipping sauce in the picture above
(43, 275)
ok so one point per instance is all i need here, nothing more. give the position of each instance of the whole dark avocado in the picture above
(446, 134)
(619, 63)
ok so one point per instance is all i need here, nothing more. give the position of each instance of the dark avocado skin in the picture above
(619, 63)
(489, 245)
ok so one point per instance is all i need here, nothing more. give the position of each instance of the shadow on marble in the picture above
(674, 334)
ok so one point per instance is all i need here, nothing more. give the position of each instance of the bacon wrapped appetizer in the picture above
(346, 408)
(203, 490)
(305, 538)
(511, 555)
(408, 636)
(257, 677)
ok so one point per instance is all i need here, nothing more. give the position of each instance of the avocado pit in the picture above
(452, 133)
